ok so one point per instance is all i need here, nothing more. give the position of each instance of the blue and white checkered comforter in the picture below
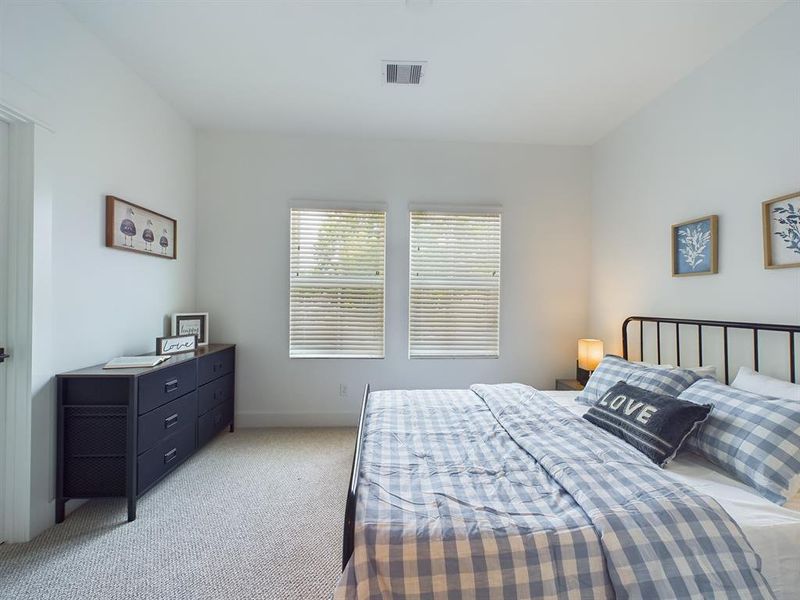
(497, 492)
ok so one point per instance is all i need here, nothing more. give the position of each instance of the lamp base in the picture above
(582, 375)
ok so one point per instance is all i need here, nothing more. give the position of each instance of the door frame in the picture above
(16, 470)
(5, 157)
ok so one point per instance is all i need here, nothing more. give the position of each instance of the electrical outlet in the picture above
(342, 390)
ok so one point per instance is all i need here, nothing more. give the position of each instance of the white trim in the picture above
(457, 207)
(11, 115)
(258, 419)
(17, 484)
(19, 103)
(5, 142)
(334, 204)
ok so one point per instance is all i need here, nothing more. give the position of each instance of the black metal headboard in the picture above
(791, 330)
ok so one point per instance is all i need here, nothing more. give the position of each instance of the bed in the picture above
(505, 492)
(772, 530)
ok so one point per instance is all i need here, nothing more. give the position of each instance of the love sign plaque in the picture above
(176, 344)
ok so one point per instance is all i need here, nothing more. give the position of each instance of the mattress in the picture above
(772, 530)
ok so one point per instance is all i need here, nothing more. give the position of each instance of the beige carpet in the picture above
(255, 514)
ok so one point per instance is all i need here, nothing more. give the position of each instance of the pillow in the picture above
(655, 424)
(755, 438)
(613, 369)
(707, 371)
(764, 385)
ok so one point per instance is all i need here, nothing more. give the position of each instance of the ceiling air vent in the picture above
(403, 73)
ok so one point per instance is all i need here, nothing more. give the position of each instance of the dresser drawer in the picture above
(214, 421)
(165, 456)
(214, 393)
(215, 365)
(166, 384)
(165, 420)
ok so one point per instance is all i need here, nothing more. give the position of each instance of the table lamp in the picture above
(590, 353)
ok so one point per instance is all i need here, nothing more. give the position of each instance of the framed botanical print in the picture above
(781, 221)
(191, 324)
(137, 229)
(694, 247)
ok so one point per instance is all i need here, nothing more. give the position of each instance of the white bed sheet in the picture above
(772, 530)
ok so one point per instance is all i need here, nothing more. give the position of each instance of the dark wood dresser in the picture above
(120, 431)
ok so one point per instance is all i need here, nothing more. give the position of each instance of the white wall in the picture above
(111, 135)
(245, 185)
(720, 142)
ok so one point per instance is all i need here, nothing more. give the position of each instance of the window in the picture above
(454, 285)
(336, 283)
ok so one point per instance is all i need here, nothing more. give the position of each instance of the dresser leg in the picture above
(131, 508)
(130, 459)
(60, 503)
(231, 427)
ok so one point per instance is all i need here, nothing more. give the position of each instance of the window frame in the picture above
(456, 353)
(340, 209)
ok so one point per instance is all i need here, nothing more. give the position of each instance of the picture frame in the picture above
(138, 229)
(781, 231)
(176, 344)
(695, 247)
(191, 324)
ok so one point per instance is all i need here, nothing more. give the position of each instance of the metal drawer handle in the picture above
(216, 366)
(219, 395)
(170, 456)
(171, 421)
(171, 385)
(217, 418)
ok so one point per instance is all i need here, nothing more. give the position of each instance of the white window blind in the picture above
(454, 287)
(336, 283)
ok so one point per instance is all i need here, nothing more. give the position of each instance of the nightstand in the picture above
(569, 384)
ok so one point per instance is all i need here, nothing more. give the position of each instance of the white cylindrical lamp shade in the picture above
(590, 353)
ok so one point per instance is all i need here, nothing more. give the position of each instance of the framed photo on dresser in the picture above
(191, 324)
(176, 344)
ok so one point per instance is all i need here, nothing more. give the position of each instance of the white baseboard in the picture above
(316, 419)
(45, 517)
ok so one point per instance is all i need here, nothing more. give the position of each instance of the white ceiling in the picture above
(536, 72)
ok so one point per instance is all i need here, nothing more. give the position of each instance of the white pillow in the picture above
(706, 371)
(701, 371)
(764, 385)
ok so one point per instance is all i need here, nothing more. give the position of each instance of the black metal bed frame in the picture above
(791, 330)
(350, 507)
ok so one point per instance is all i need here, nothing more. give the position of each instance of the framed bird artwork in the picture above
(137, 229)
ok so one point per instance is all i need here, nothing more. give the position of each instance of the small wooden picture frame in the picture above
(781, 223)
(191, 324)
(694, 247)
(176, 344)
(137, 229)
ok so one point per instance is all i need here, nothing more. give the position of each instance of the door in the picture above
(4, 156)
